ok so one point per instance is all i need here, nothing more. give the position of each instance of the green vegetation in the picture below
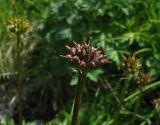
(112, 93)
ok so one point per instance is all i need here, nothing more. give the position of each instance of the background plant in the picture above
(19, 27)
(117, 26)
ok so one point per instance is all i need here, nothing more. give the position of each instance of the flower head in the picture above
(18, 26)
(85, 56)
(131, 63)
(144, 78)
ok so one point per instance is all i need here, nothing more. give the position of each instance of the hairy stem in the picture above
(78, 97)
(122, 96)
(19, 80)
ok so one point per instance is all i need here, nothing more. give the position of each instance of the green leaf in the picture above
(113, 55)
(74, 80)
(94, 74)
(137, 92)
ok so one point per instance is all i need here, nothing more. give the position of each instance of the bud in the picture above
(83, 51)
(103, 61)
(83, 64)
(67, 47)
(76, 58)
(73, 51)
(131, 64)
(144, 78)
(18, 26)
(93, 64)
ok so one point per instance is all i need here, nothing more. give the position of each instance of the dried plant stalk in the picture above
(84, 56)
(81, 79)
(19, 27)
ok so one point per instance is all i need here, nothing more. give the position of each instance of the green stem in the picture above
(78, 98)
(19, 81)
(137, 105)
(136, 93)
(122, 96)
(157, 117)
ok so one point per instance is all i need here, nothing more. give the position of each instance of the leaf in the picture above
(108, 122)
(94, 74)
(113, 55)
(74, 80)
(137, 92)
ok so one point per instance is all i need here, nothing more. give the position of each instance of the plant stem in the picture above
(157, 117)
(137, 106)
(19, 81)
(78, 97)
(122, 96)
(136, 93)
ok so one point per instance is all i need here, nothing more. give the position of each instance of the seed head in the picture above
(18, 26)
(144, 78)
(85, 56)
(131, 63)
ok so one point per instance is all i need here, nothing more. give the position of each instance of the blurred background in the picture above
(118, 27)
